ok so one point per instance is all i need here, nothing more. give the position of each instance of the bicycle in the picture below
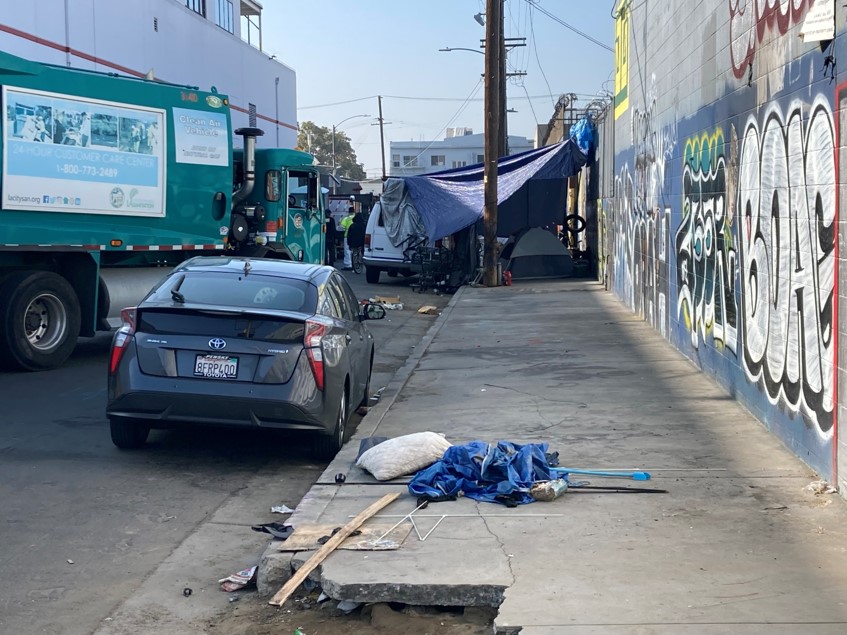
(356, 259)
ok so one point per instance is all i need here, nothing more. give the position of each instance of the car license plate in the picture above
(216, 366)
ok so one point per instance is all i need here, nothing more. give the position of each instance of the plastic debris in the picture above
(548, 490)
(70, 561)
(820, 487)
(428, 309)
(348, 606)
(389, 303)
(281, 509)
(234, 598)
(280, 531)
(239, 580)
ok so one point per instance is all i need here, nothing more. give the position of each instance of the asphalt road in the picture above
(83, 524)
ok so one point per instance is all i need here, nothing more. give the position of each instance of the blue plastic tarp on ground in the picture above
(451, 200)
(483, 471)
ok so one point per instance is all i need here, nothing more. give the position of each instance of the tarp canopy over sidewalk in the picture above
(443, 203)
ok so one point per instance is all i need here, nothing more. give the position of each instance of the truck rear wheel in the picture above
(39, 320)
(372, 274)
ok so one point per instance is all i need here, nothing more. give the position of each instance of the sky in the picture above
(347, 52)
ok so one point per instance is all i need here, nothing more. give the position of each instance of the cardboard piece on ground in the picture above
(321, 554)
(428, 309)
(381, 299)
(305, 538)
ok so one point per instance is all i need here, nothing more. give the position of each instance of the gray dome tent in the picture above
(536, 253)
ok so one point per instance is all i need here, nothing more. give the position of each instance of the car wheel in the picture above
(128, 434)
(326, 446)
(39, 320)
(372, 275)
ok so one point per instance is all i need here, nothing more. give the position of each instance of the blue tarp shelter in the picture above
(449, 201)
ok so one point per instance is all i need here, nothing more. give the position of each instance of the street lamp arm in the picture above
(458, 48)
(334, 168)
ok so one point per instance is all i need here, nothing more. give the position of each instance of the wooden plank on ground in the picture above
(305, 538)
(320, 555)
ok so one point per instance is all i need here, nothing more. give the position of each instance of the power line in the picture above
(537, 58)
(458, 113)
(442, 99)
(535, 4)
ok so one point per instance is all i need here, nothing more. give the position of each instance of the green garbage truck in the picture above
(106, 181)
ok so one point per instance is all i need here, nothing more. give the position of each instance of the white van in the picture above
(380, 254)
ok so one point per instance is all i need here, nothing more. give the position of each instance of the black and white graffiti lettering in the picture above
(787, 183)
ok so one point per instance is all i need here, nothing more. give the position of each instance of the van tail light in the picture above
(313, 341)
(122, 338)
(367, 241)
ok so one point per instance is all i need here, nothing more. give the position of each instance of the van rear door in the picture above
(379, 247)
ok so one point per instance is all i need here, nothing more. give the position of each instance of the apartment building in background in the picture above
(460, 148)
(202, 43)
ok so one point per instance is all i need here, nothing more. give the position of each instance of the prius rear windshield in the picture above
(253, 292)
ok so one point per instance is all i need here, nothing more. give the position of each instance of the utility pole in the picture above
(502, 137)
(493, 116)
(382, 140)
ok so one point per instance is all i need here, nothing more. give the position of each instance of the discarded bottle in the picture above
(549, 490)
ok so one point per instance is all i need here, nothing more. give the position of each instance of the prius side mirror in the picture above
(372, 312)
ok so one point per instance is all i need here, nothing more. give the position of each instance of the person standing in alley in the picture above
(356, 233)
(331, 232)
(345, 227)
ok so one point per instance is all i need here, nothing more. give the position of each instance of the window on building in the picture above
(224, 14)
(459, 164)
(395, 160)
(437, 160)
(251, 23)
(251, 114)
(480, 158)
(410, 161)
(198, 6)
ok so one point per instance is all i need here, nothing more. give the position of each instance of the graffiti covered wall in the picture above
(722, 227)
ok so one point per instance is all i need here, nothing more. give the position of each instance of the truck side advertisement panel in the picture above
(200, 137)
(71, 154)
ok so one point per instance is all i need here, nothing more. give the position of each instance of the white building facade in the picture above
(459, 149)
(202, 43)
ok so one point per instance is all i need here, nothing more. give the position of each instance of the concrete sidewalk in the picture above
(737, 546)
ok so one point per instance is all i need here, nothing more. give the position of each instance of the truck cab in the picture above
(283, 216)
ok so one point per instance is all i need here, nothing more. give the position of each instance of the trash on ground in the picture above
(403, 455)
(500, 472)
(70, 561)
(377, 537)
(428, 309)
(340, 478)
(187, 591)
(281, 509)
(234, 598)
(280, 531)
(321, 554)
(323, 597)
(549, 490)
(348, 606)
(820, 487)
(389, 303)
(239, 580)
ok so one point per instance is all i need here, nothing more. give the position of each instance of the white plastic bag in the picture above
(403, 455)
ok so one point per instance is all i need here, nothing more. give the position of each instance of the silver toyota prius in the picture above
(241, 342)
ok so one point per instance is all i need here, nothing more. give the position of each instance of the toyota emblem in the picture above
(217, 343)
